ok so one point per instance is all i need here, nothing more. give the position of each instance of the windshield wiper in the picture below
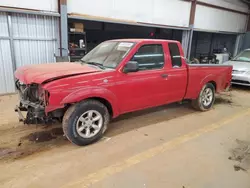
(94, 63)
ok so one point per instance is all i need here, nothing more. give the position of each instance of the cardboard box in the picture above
(79, 27)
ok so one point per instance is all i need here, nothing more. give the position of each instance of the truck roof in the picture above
(143, 40)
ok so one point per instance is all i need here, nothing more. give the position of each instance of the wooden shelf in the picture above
(76, 56)
(76, 33)
(77, 53)
(75, 49)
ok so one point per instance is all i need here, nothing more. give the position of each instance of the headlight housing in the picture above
(43, 95)
(46, 97)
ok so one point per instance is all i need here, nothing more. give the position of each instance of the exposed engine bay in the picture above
(28, 92)
(33, 99)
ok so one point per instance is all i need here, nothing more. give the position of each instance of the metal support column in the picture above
(12, 49)
(191, 32)
(211, 44)
(191, 26)
(238, 44)
(185, 41)
(63, 27)
(246, 41)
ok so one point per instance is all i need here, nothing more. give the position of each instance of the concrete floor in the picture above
(170, 146)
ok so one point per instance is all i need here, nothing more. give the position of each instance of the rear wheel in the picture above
(205, 99)
(85, 123)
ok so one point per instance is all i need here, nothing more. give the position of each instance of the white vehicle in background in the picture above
(241, 68)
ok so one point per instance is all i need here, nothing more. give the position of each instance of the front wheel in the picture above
(205, 99)
(84, 123)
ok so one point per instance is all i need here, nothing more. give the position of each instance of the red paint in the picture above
(42, 72)
(125, 92)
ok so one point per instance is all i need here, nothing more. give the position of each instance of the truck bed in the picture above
(198, 74)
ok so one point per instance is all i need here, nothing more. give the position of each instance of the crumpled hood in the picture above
(239, 65)
(44, 72)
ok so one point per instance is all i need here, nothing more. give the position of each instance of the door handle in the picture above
(164, 75)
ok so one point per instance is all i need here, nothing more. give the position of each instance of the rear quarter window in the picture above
(175, 55)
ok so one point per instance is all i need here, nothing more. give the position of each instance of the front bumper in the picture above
(241, 79)
(35, 113)
(19, 110)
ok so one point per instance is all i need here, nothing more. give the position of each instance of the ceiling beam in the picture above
(221, 8)
(192, 12)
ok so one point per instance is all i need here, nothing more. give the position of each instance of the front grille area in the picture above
(238, 72)
(241, 81)
(28, 92)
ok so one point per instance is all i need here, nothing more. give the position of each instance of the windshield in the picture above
(108, 54)
(243, 56)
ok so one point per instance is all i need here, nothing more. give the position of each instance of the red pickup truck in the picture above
(116, 77)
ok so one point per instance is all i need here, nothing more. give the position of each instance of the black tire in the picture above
(72, 115)
(198, 104)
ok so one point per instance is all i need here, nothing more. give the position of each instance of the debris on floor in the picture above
(44, 136)
(225, 98)
(13, 153)
(33, 142)
(241, 154)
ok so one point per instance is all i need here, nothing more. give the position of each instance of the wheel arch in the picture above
(209, 79)
(105, 102)
(198, 103)
(102, 95)
(214, 84)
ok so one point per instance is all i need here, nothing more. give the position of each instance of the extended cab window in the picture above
(175, 55)
(149, 57)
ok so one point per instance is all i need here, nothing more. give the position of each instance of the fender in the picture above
(195, 93)
(209, 78)
(90, 92)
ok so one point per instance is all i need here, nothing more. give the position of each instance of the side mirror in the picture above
(131, 66)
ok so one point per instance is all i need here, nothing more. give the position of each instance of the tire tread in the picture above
(196, 102)
(68, 115)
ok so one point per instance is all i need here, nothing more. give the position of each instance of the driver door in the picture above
(146, 87)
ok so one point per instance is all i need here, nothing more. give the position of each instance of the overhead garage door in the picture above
(224, 40)
(97, 32)
(201, 43)
(25, 39)
(205, 43)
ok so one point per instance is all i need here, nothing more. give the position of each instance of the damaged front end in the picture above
(33, 100)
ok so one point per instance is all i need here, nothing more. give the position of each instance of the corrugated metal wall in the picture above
(35, 35)
(35, 40)
(6, 69)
